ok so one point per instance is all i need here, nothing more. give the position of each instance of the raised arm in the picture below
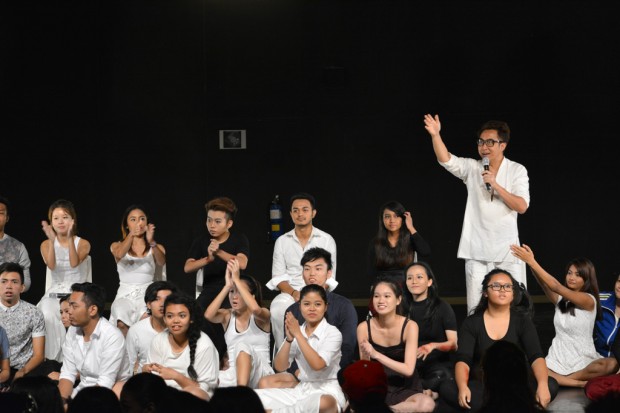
(550, 285)
(433, 126)
(159, 252)
(214, 313)
(261, 314)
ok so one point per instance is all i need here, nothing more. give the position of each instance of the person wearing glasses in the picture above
(496, 195)
(504, 312)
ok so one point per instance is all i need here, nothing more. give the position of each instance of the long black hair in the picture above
(585, 269)
(195, 324)
(402, 254)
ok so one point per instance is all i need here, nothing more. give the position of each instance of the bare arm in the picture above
(261, 314)
(446, 346)
(214, 313)
(433, 126)
(552, 287)
(405, 368)
(543, 395)
(38, 355)
(461, 376)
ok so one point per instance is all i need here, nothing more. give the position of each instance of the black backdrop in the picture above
(109, 103)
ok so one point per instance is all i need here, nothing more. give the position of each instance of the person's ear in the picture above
(313, 213)
(229, 224)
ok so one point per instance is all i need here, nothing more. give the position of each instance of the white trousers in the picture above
(476, 270)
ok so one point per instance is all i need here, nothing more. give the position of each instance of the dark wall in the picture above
(113, 103)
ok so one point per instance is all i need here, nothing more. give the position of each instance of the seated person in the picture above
(94, 349)
(182, 354)
(23, 322)
(503, 313)
(317, 269)
(436, 322)
(246, 329)
(140, 335)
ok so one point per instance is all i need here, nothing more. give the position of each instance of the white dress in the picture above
(135, 275)
(254, 342)
(63, 277)
(572, 348)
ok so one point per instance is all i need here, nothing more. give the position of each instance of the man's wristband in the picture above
(288, 341)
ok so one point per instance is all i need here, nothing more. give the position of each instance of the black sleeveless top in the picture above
(400, 388)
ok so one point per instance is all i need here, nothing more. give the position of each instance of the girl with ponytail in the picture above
(182, 354)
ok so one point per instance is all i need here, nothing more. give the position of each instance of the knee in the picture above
(426, 404)
(328, 404)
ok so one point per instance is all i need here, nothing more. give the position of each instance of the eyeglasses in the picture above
(488, 142)
(498, 287)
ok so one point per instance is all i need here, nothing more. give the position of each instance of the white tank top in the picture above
(136, 270)
(253, 336)
(63, 276)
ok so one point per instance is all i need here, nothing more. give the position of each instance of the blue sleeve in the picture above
(4, 344)
(348, 327)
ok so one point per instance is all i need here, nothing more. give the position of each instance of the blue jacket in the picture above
(605, 329)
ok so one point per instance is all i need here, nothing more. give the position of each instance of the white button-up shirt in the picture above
(102, 361)
(287, 254)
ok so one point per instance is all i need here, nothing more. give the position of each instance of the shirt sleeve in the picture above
(68, 370)
(520, 185)
(466, 341)
(449, 318)
(331, 247)
(38, 324)
(330, 346)
(4, 344)
(156, 353)
(419, 245)
(278, 264)
(111, 359)
(529, 339)
(348, 329)
(206, 364)
(131, 347)
(24, 261)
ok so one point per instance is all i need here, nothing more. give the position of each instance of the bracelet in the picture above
(287, 340)
(153, 244)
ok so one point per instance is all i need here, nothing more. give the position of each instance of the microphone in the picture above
(485, 164)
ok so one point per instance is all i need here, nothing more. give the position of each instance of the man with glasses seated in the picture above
(497, 192)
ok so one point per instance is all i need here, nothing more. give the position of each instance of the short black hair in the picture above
(150, 294)
(6, 203)
(304, 195)
(316, 253)
(93, 295)
(13, 267)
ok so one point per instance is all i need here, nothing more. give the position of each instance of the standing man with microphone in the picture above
(497, 191)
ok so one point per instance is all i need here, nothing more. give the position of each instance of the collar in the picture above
(319, 331)
(11, 308)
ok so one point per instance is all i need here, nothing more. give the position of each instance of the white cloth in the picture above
(489, 226)
(102, 361)
(12, 250)
(287, 254)
(135, 275)
(572, 348)
(253, 341)
(286, 266)
(138, 342)
(326, 340)
(62, 278)
(206, 360)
